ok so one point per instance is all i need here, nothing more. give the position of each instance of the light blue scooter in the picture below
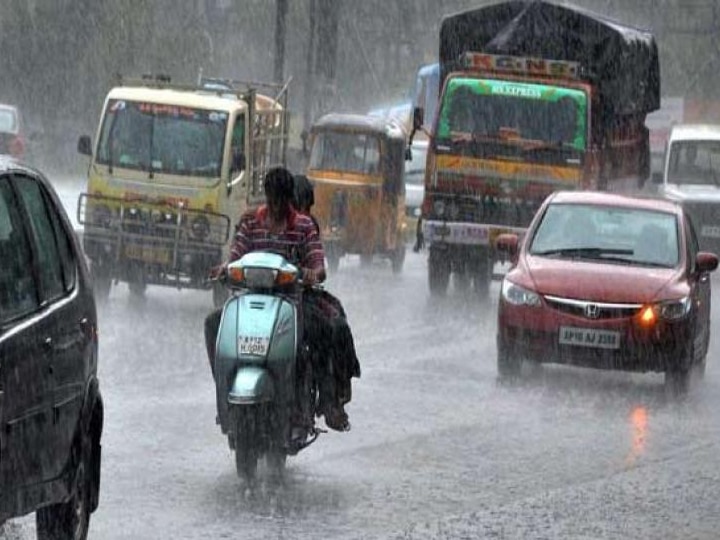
(266, 395)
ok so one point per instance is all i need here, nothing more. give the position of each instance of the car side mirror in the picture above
(657, 177)
(706, 262)
(507, 244)
(418, 118)
(84, 145)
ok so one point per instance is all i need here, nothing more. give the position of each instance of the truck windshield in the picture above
(346, 152)
(694, 162)
(162, 138)
(491, 109)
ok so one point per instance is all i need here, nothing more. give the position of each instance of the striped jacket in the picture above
(299, 243)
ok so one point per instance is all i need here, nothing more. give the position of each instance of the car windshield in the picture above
(694, 162)
(532, 112)
(163, 138)
(8, 121)
(346, 152)
(613, 234)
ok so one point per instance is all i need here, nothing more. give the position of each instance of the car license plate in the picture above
(587, 337)
(710, 231)
(147, 254)
(254, 346)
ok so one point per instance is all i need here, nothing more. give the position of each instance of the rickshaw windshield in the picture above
(163, 138)
(346, 152)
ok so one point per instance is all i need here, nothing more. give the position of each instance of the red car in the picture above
(12, 142)
(606, 281)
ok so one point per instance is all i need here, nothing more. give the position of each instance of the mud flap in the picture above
(251, 385)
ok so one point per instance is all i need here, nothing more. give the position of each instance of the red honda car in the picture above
(606, 281)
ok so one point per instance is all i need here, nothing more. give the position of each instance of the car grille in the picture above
(592, 310)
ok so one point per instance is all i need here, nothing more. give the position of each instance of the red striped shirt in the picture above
(299, 243)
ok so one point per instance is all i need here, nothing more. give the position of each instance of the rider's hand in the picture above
(310, 276)
(218, 271)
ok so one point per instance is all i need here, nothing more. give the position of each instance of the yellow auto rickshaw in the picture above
(357, 168)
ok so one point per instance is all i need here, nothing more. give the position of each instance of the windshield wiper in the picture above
(587, 253)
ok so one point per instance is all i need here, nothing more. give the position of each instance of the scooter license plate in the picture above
(254, 346)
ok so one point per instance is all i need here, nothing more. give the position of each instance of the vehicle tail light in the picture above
(17, 146)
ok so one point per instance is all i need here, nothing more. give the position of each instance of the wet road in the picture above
(437, 449)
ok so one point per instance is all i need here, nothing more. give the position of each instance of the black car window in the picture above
(47, 256)
(18, 293)
(67, 259)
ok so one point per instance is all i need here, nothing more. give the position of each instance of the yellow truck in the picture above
(171, 170)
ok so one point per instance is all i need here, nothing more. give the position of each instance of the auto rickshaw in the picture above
(357, 168)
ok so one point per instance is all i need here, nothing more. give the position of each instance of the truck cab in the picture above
(171, 170)
(691, 176)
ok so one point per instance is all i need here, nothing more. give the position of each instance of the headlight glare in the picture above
(439, 208)
(519, 296)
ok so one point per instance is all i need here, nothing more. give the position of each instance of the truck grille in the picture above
(484, 209)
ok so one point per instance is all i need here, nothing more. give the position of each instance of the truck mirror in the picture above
(84, 145)
(408, 154)
(657, 177)
(418, 118)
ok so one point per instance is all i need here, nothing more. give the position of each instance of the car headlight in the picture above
(673, 310)
(519, 296)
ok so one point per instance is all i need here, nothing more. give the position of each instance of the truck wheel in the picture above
(366, 260)
(438, 272)
(102, 281)
(398, 258)
(136, 281)
(70, 520)
(482, 277)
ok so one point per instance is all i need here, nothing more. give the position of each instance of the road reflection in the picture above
(639, 429)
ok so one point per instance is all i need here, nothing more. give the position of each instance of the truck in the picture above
(172, 169)
(536, 97)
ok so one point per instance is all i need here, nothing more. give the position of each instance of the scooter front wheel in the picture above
(246, 451)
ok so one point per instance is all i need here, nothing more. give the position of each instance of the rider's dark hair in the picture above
(304, 193)
(279, 186)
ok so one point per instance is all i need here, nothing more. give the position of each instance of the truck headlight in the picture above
(519, 296)
(200, 228)
(439, 208)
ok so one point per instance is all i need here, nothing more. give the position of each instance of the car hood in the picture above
(598, 282)
(692, 193)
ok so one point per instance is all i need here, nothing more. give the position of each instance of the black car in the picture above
(51, 410)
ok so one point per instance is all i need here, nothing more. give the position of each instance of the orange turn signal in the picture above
(236, 274)
(285, 278)
(647, 316)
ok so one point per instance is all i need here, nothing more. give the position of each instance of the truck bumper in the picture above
(470, 234)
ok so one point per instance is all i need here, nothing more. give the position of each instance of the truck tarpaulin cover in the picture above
(621, 60)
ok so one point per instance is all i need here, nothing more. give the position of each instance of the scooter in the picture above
(265, 390)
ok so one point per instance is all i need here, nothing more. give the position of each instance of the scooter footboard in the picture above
(251, 385)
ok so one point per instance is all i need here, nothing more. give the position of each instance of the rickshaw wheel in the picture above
(333, 261)
(398, 258)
